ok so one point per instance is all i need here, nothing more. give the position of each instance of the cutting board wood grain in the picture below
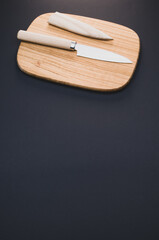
(65, 67)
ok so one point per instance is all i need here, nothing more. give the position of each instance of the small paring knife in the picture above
(82, 50)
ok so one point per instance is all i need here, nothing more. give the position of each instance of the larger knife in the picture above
(82, 50)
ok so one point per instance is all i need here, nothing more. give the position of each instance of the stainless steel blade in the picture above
(100, 54)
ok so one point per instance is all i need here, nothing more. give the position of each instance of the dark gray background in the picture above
(76, 164)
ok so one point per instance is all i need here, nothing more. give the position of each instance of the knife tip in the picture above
(129, 61)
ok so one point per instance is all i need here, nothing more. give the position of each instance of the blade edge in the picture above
(100, 54)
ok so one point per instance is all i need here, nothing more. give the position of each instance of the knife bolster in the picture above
(73, 45)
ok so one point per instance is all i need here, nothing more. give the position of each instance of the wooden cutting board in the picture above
(62, 66)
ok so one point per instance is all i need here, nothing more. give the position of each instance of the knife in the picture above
(82, 50)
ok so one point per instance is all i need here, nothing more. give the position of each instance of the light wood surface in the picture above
(66, 67)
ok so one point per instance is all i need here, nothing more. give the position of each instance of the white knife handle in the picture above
(46, 40)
